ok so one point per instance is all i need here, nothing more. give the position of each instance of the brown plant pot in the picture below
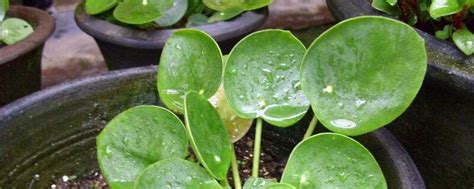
(20, 63)
(125, 47)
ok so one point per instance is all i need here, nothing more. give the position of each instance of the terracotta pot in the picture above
(438, 128)
(52, 133)
(125, 47)
(20, 63)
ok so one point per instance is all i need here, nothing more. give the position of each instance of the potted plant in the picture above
(137, 40)
(147, 146)
(23, 32)
(437, 111)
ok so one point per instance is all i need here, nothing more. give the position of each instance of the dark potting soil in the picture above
(271, 166)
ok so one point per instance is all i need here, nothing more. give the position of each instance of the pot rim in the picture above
(457, 70)
(405, 169)
(43, 25)
(156, 39)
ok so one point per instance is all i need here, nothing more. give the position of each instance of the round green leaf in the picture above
(208, 135)
(225, 15)
(464, 40)
(222, 5)
(99, 6)
(384, 6)
(363, 73)
(236, 126)
(137, 138)
(190, 61)
(15, 30)
(4, 5)
(141, 11)
(261, 78)
(330, 160)
(257, 183)
(175, 173)
(174, 14)
(441, 8)
(280, 186)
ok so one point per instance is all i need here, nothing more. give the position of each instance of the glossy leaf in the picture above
(207, 133)
(464, 40)
(441, 8)
(363, 73)
(175, 173)
(99, 6)
(141, 11)
(173, 14)
(4, 5)
(137, 138)
(222, 5)
(236, 126)
(384, 6)
(255, 4)
(225, 15)
(280, 186)
(14, 30)
(392, 2)
(257, 183)
(330, 160)
(190, 61)
(261, 78)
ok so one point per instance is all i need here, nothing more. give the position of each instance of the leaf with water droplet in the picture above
(137, 138)
(257, 183)
(257, 91)
(236, 126)
(175, 173)
(190, 61)
(208, 135)
(93, 7)
(369, 81)
(141, 11)
(13, 30)
(173, 14)
(331, 160)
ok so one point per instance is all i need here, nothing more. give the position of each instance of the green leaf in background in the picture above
(225, 15)
(236, 126)
(441, 8)
(257, 183)
(175, 173)
(207, 133)
(99, 6)
(173, 14)
(4, 5)
(279, 186)
(197, 20)
(383, 6)
(392, 2)
(363, 73)
(464, 40)
(261, 78)
(330, 160)
(445, 33)
(137, 138)
(222, 5)
(191, 61)
(194, 6)
(141, 11)
(255, 4)
(14, 30)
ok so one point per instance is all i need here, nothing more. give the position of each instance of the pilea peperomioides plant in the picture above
(450, 19)
(12, 30)
(353, 88)
(166, 13)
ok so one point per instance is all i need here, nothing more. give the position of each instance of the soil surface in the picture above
(271, 166)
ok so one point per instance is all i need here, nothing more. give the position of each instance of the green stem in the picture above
(256, 149)
(235, 172)
(311, 127)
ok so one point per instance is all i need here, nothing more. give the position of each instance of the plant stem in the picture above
(235, 172)
(256, 148)
(311, 127)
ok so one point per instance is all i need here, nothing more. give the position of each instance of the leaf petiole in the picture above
(311, 127)
(256, 149)
(235, 172)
